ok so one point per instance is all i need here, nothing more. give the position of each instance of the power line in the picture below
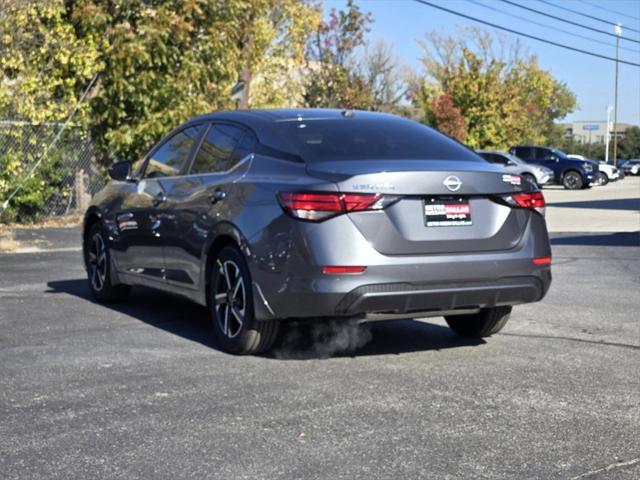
(499, 27)
(544, 25)
(611, 10)
(586, 15)
(568, 21)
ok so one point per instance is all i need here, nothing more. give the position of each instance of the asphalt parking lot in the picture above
(138, 390)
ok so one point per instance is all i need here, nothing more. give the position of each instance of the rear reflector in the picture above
(542, 261)
(342, 270)
(317, 206)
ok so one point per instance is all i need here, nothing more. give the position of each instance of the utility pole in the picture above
(618, 29)
(607, 134)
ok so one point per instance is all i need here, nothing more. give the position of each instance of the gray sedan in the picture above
(536, 174)
(271, 216)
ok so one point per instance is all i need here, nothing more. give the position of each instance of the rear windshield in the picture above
(370, 139)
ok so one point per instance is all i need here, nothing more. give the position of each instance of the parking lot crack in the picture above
(608, 468)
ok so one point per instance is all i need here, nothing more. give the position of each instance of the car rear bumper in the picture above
(290, 282)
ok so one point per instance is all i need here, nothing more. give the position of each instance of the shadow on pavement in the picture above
(632, 204)
(305, 341)
(619, 239)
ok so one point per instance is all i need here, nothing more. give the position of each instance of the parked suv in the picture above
(573, 174)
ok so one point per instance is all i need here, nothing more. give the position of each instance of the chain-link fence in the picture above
(67, 175)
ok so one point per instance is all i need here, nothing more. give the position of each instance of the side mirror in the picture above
(511, 163)
(121, 171)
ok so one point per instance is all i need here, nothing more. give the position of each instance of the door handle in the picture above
(159, 198)
(216, 196)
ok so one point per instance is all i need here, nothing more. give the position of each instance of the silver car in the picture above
(269, 216)
(536, 174)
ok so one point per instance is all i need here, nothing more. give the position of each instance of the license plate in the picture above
(444, 212)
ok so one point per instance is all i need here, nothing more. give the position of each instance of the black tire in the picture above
(97, 257)
(231, 307)
(482, 324)
(572, 181)
(604, 178)
(530, 178)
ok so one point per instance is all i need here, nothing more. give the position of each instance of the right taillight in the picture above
(531, 200)
(318, 206)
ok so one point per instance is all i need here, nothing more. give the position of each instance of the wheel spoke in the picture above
(236, 289)
(225, 274)
(225, 328)
(221, 298)
(237, 315)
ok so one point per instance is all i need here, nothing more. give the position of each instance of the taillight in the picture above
(532, 200)
(318, 206)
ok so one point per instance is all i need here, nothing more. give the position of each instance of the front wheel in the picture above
(98, 262)
(231, 305)
(572, 181)
(482, 324)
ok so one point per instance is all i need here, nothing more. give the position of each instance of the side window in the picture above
(169, 159)
(543, 154)
(525, 152)
(216, 152)
(245, 147)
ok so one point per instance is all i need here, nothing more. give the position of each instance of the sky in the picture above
(402, 22)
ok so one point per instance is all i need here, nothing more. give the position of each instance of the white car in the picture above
(536, 174)
(608, 173)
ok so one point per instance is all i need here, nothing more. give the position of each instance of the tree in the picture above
(629, 146)
(384, 76)
(503, 95)
(44, 68)
(448, 117)
(165, 62)
(333, 79)
(272, 39)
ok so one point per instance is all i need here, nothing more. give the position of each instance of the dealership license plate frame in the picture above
(446, 211)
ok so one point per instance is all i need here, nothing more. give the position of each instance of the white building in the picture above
(584, 131)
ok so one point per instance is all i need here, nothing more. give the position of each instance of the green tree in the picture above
(272, 39)
(44, 68)
(629, 146)
(165, 62)
(504, 98)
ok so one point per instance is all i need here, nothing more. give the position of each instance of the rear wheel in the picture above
(530, 178)
(98, 261)
(572, 181)
(231, 305)
(482, 324)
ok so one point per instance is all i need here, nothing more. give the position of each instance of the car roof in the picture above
(263, 122)
(261, 117)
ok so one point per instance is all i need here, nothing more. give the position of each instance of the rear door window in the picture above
(216, 154)
(168, 160)
(524, 152)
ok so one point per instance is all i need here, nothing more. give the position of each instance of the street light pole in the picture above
(607, 134)
(618, 30)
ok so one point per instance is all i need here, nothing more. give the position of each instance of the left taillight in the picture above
(531, 200)
(318, 206)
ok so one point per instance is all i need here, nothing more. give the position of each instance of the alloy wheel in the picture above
(97, 262)
(230, 299)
